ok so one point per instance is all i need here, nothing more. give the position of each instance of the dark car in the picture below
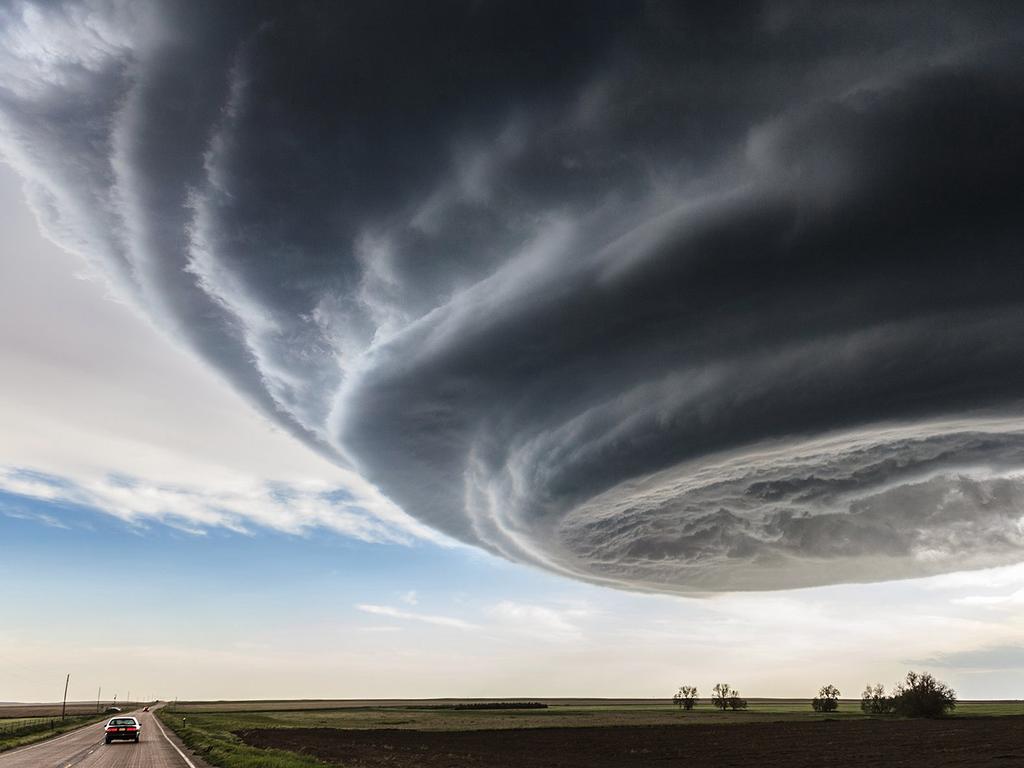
(123, 728)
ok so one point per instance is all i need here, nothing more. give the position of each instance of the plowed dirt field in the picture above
(974, 742)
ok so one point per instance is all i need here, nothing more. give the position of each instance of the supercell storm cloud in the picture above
(648, 295)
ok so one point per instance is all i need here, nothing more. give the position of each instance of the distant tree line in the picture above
(502, 705)
(723, 697)
(919, 695)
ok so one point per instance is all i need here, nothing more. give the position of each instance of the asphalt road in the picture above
(85, 748)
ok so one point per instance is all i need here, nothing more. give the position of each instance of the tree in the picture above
(921, 695)
(827, 699)
(726, 698)
(721, 696)
(874, 701)
(685, 697)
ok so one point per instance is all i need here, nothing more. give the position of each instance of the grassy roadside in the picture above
(69, 724)
(215, 743)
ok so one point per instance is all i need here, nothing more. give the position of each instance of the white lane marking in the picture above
(47, 742)
(188, 762)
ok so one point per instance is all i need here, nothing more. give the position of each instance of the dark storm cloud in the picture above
(654, 296)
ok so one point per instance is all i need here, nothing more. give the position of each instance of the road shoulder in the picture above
(165, 731)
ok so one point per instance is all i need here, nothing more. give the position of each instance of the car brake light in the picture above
(110, 728)
(131, 728)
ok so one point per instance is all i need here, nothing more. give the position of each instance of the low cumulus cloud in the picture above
(658, 296)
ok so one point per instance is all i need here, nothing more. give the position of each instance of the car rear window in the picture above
(123, 721)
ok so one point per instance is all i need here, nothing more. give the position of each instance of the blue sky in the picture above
(223, 615)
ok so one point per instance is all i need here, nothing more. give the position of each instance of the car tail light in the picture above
(111, 728)
(130, 728)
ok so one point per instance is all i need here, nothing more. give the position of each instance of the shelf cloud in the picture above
(649, 295)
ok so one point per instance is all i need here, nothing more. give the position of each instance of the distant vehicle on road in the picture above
(112, 709)
(145, 709)
(123, 728)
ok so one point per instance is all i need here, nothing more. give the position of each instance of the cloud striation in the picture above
(652, 295)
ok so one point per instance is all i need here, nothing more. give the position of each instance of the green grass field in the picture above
(436, 714)
(11, 723)
(207, 727)
(19, 731)
(210, 735)
(53, 709)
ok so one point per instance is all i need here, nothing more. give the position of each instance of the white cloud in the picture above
(48, 520)
(538, 621)
(506, 620)
(1009, 575)
(1013, 601)
(239, 504)
(426, 618)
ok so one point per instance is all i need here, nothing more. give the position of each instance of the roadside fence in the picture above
(23, 726)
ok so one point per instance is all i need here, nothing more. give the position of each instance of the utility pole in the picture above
(64, 706)
(98, 692)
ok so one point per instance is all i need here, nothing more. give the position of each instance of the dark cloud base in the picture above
(869, 506)
(650, 295)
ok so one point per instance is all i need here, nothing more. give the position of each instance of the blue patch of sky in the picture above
(225, 581)
(338, 496)
(31, 475)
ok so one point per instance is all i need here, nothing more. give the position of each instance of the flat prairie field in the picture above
(438, 714)
(11, 710)
(283, 705)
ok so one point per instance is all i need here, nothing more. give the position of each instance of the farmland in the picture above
(438, 714)
(8, 711)
(575, 732)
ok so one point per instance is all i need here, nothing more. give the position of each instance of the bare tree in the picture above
(827, 699)
(874, 701)
(725, 697)
(735, 702)
(720, 698)
(685, 697)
